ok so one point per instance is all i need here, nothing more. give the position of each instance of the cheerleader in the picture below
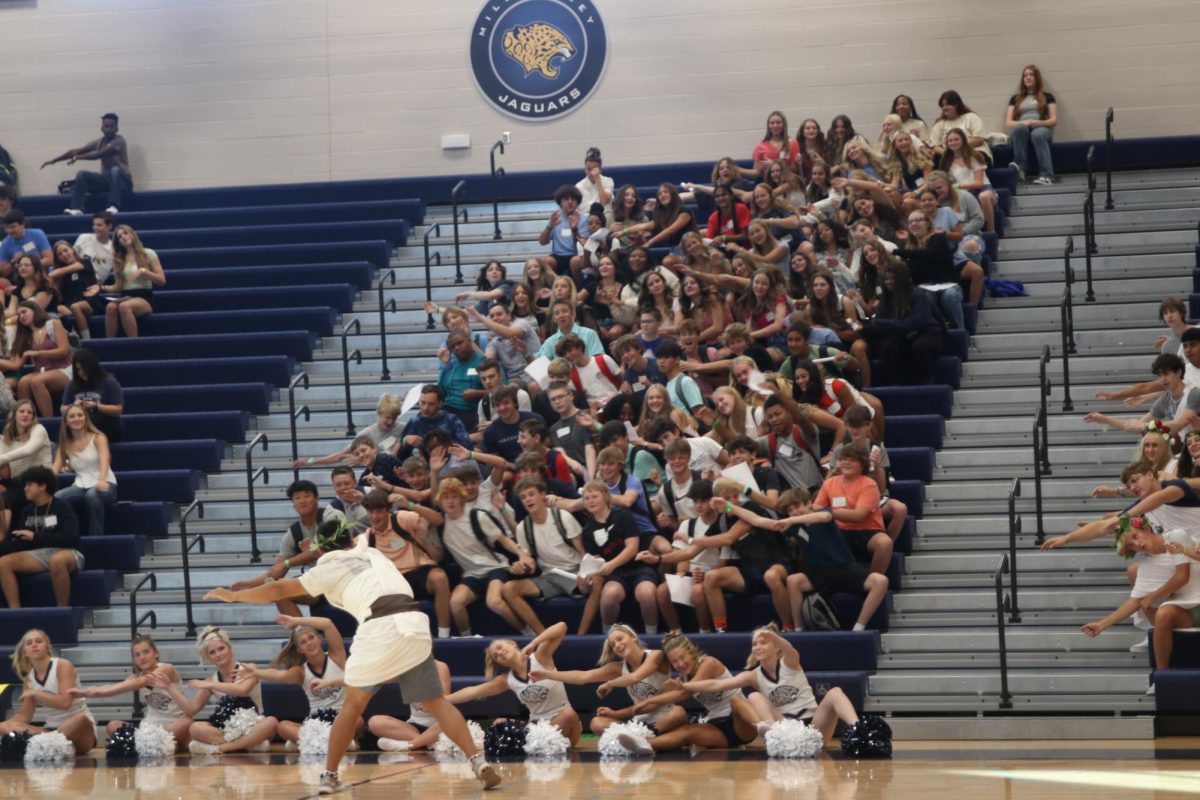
(640, 672)
(546, 699)
(779, 689)
(153, 682)
(319, 673)
(232, 692)
(730, 722)
(419, 731)
(47, 682)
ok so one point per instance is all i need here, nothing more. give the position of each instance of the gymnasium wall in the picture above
(214, 92)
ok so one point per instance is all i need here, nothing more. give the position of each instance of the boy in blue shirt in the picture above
(22, 240)
(565, 230)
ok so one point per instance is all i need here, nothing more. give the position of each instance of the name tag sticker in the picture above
(29, 247)
(471, 371)
(839, 502)
(785, 450)
(50, 521)
(563, 432)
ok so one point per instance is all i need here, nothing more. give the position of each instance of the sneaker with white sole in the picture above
(638, 745)
(485, 772)
(290, 747)
(1019, 170)
(1142, 646)
(113, 210)
(330, 783)
(74, 212)
(262, 746)
(1043, 180)
(762, 728)
(393, 745)
(1150, 691)
(199, 748)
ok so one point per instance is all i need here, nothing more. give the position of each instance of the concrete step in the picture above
(1063, 683)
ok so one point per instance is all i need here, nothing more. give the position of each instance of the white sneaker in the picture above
(199, 748)
(1019, 170)
(329, 783)
(113, 210)
(485, 772)
(74, 212)
(393, 745)
(262, 746)
(638, 745)
(1141, 646)
(1043, 180)
(762, 728)
(290, 747)
(1150, 691)
(353, 746)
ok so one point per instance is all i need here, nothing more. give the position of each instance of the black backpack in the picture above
(298, 534)
(817, 614)
(641, 507)
(668, 494)
(477, 529)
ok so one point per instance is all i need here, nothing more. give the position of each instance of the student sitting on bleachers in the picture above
(858, 424)
(75, 280)
(834, 395)
(853, 498)
(294, 545)
(459, 380)
(96, 249)
(1178, 407)
(930, 259)
(500, 437)
(381, 470)
(569, 434)
(598, 376)
(348, 498)
(700, 517)
(551, 537)
(564, 232)
(562, 313)
(907, 333)
(382, 432)
(639, 367)
(744, 450)
(477, 541)
(47, 683)
(84, 450)
(491, 287)
(24, 444)
(516, 343)
(19, 239)
(42, 341)
(97, 391)
(431, 416)
(44, 538)
(136, 272)
(31, 283)
(970, 216)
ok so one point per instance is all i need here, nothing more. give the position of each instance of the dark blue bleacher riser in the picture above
(145, 519)
(376, 251)
(1185, 650)
(275, 370)
(915, 430)
(911, 493)
(1177, 691)
(60, 624)
(924, 399)
(339, 296)
(904, 542)
(121, 553)
(296, 344)
(225, 426)
(58, 225)
(203, 455)
(912, 463)
(970, 317)
(317, 319)
(1139, 153)
(253, 398)
(956, 344)
(392, 231)
(170, 485)
(355, 273)
(1194, 299)
(90, 588)
(948, 370)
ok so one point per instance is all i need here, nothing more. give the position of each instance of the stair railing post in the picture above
(497, 176)
(1108, 145)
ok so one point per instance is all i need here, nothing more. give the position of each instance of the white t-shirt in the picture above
(596, 385)
(552, 551)
(592, 195)
(1188, 595)
(475, 558)
(355, 578)
(101, 255)
(707, 558)
(385, 440)
(705, 452)
(523, 404)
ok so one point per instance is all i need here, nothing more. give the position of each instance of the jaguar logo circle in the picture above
(537, 60)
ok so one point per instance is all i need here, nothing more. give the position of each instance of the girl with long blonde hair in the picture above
(47, 682)
(233, 688)
(136, 273)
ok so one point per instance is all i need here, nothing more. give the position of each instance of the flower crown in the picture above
(1127, 525)
(1157, 426)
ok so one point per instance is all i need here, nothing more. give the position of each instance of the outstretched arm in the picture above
(1084, 533)
(490, 688)
(267, 593)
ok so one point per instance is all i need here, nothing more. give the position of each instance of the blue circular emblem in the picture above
(537, 60)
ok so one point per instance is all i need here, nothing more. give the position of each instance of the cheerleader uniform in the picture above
(650, 686)
(719, 706)
(161, 708)
(788, 691)
(544, 698)
(54, 717)
(228, 703)
(324, 703)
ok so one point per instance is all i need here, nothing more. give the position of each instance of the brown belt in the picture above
(391, 604)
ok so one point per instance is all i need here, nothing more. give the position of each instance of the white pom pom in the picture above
(791, 738)
(625, 772)
(314, 737)
(240, 723)
(792, 774)
(547, 770)
(153, 778)
(611, 748)
(543, 740)
(47, 778)
(49, 748)
(445, 748)
(153, 742)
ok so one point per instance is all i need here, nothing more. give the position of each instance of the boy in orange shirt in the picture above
(853, 498)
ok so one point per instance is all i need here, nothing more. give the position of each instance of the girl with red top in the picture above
(702, 304)
(728, 223)
(775, 145)
(42, 341)
(834, 396)
(763, 307)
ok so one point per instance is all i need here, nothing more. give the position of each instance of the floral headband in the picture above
(1125, 527)
(1158, 427)
(335, 537)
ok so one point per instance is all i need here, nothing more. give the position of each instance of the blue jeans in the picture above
(89, 504)
(1041, 137)
(115, 182)
(951, 301)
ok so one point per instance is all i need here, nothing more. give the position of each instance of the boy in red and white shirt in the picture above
(598, 377)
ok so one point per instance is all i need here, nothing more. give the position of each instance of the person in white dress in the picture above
(47, 684)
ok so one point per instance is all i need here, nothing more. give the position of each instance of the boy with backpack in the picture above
(598, 377)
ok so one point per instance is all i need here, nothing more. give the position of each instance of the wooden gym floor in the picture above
(1052, 770)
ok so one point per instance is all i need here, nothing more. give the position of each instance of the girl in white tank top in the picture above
(640, 672)
(305, 663)
(157, 686)
(421, 730)
(546, 699)
(46, 677)
(228, 681)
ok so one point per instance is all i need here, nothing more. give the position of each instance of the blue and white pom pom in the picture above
(314, 737)
(445, 748)
(49, 748)
(544, 741)
(611, 748)
(240, 723)
(791, 738)
(153, 742)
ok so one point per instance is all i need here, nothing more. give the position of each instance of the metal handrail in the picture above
(346, 356)
(497, 176)
(435, 228)
(1089, 223)
(458, 189)
(185, 548)
(1003, 601)
(1039, 420)
(135, 622)
(1108, 143)
(1044, 392)
(295, 414)
(251, 478)
(1068, 345)
(1014, 530)
(390, 305)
